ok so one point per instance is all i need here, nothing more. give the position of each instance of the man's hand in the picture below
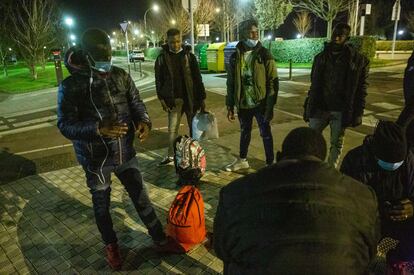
(142, 131)
(113, 129)
(164, 106)
(402, 211)
(230, 115)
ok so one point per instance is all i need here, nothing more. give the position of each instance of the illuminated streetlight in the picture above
(69, 21)
(10, 49)
(72, 37)
(73, 43)
(400, 32)
(156, 8)
(136, 32)
(269, 37)
(218, 10)
(152, 32)
(142, 36)
(298, 36)
(112, 41)
(217, 38)
(113, 33)
(173, 22)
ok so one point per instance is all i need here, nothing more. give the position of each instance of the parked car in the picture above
(136, 55)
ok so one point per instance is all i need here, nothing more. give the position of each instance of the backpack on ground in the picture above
(186, 223)
(189, 159)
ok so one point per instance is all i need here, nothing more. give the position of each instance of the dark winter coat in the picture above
(296, 217)
(265, 79)
(83, 105)
(164, 79)
(409, 79)
(356, 85)
(361, 164)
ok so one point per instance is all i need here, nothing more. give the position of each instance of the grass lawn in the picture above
(20, 80)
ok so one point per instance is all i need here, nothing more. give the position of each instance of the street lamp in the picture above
(72, 37)
(154, 7)
(400, 32)
(113, 33)
(173, 22)
(269, 37)
(69, 22)
(218, 10)
(136, 32)
(217, 38)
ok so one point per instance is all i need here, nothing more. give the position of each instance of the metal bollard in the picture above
(135, 66)
(290, 69)
(140, 68)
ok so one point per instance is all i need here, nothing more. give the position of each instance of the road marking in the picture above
(25, 129)
(43, 149)
(33, 94)
(296, 82)
(37, 120)
(21, 113)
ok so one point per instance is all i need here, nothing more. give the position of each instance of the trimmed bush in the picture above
(400, 45)
(152, 53)
(304, 50)
(119, 53)
(365, 45)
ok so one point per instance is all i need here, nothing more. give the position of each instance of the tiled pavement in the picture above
(47, 224)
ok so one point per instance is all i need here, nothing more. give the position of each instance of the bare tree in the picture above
(34, 25)
(5, 41)
(302, 22)
(324, 9)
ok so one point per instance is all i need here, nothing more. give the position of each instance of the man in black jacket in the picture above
(179, 85)
(338, 90)
(298, 216)
(384, 163)
(100, 110)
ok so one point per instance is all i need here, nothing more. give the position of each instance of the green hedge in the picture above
(400, 45)
(304, 50)
(152, 53)
(119, 53)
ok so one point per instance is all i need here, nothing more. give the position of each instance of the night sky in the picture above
(105, 14)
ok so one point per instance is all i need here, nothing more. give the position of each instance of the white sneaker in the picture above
(166, 161)
(237, 165)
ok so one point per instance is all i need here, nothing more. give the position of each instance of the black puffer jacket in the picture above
(82, 105)
(296, 217)
(164, 79)
(356, 85)
(361, 164)
(409, 79)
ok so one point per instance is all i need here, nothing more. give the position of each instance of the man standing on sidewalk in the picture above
(338, 90)
(100, 110)
(179, 85)
(252, 88)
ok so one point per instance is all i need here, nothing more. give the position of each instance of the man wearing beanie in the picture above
(338, 90)
(384, 163)
(101, 112)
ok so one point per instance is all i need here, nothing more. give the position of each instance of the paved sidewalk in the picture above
(47, 224)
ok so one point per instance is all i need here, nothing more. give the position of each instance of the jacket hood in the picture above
(76, 62)
(347, 47)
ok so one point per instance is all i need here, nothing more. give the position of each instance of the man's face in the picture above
(339, 37)
(102, 53)
(253, 33)
(174, 43)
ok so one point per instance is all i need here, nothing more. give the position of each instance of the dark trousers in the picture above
(246, 120)
(131, 178)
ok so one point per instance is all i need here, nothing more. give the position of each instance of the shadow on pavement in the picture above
(14, 167)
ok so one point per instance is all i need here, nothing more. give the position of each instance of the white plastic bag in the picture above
(204, 126)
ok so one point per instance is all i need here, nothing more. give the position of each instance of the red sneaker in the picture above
(169, 245)
(113, 256)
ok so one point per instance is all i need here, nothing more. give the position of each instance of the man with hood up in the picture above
(252, 88)
(100, 111)
(179, 85)
(338, 90)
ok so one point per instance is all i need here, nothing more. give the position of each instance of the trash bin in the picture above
(228, 51)
(201, 54)
(215, 57)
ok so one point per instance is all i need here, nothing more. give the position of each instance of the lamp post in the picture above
(156, 8)
(69, 22)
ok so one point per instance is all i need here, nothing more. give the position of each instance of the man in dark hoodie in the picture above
(338, 90)
(179, 85)
(384, 163)
(100, 111)
(252, 88)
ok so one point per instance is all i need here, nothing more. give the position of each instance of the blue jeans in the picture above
(99, 185)
(334, 119)
(246, 120)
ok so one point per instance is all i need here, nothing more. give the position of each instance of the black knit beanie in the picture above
(389, 142)
(97, 43)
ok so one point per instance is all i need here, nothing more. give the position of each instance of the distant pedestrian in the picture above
(298, 216)
(252, 88)
(179, 85)
(338, 89)
(100, 111)
(384, 163)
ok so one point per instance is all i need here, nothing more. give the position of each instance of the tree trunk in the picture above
(329, 29)
(5, 71)
(33, 71)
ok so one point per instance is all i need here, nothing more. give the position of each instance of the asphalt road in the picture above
(30, 142)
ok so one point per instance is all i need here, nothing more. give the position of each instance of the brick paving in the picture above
(47, 224)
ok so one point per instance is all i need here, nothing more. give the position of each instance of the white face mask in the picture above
(251, 43)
